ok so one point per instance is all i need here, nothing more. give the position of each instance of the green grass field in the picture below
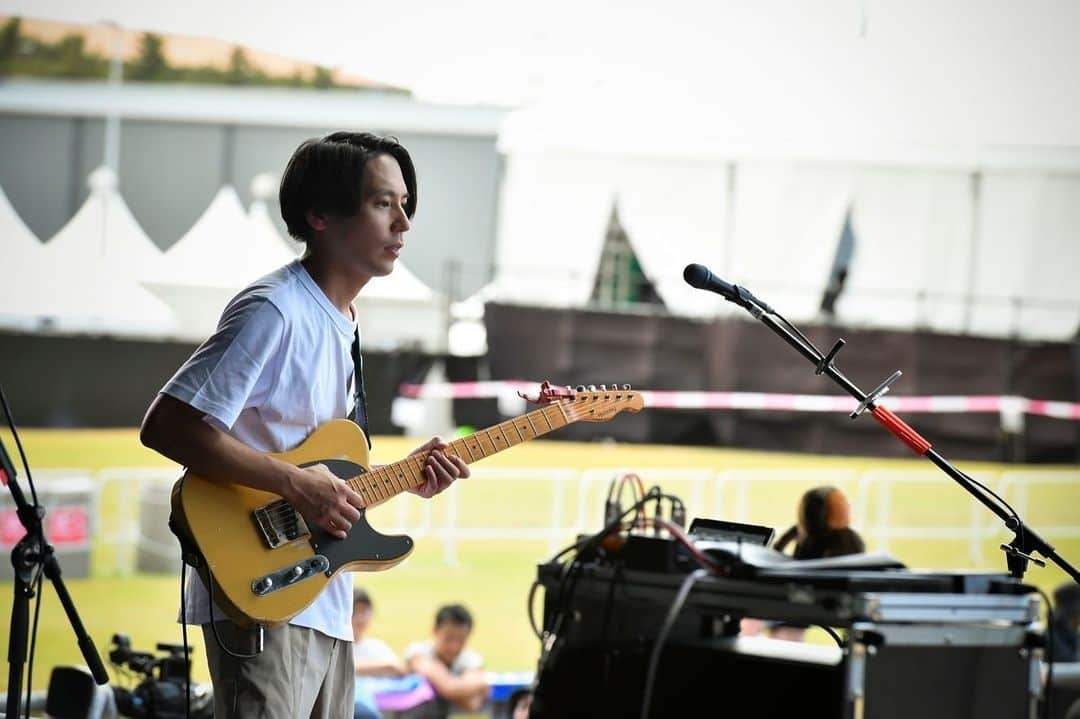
(493, 576)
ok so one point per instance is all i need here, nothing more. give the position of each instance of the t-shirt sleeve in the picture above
(374, 650)
(467, 660)
(235, 365)
(417, 649)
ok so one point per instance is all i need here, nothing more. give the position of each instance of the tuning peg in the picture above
(592, 388)
(626, 386)
(580, 388)
(603, 388)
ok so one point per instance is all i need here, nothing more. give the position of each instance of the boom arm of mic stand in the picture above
(1025, 541)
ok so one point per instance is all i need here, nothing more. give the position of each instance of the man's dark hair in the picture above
(453, 614)
(360, 596)
(326, 174)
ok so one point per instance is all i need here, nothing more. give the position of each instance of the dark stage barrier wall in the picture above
(54, 381)
(102, 382)
(669, 353)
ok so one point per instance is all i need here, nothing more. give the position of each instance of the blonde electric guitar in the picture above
(264, 564)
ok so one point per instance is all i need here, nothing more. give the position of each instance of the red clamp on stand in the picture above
(888, 419)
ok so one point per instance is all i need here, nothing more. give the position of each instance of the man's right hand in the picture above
(323, 499)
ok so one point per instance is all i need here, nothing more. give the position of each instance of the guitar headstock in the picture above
(592, 403)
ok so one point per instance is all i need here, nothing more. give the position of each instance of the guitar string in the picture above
(281, 510)
(284, 517)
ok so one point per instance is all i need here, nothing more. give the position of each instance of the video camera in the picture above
(160, 694)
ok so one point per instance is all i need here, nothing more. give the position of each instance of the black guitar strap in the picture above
(359, 414)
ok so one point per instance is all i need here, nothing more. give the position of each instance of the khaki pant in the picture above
(299, 673)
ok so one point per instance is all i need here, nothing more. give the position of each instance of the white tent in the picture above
(82, 281)
(22, 255)
(263, 188)
(224, 251)
(103, 230)
(222, 248)
(953, 233)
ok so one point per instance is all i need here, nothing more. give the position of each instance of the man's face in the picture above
(361, 617)
(450, 639)
(368, 242)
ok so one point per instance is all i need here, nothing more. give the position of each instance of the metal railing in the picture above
(547, 508)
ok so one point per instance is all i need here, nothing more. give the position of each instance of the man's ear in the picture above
(316, 220)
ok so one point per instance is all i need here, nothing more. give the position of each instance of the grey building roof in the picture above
(268, 106)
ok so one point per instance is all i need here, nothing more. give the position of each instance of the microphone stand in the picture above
(1025, 541)
(31, 553)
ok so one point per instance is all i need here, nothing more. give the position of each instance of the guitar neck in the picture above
(391, 479)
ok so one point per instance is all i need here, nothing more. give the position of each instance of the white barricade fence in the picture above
(531, 507)
(135, 534)
(929, 512)
(71, 504)
(549, 507)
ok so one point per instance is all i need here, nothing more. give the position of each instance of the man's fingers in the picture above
(354, 498)
(448, 467)
(462, 467)
(430, 487)
(338, 528)
(350, 513)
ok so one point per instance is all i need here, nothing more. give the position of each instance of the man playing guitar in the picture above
(280, 365)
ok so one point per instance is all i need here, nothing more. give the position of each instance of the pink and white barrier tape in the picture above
(767, 401)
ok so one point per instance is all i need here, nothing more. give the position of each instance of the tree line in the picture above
(23, 55)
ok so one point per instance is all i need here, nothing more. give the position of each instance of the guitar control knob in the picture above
(295, 573)
(263, 585)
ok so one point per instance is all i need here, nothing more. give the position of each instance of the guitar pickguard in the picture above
(363, 545)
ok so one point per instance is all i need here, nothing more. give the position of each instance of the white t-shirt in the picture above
(373, 650)
(278, 366)
(468, 659)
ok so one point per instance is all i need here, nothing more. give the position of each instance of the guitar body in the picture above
(264, 565)
(223, 521)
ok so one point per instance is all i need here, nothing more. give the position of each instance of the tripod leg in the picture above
(20, 626)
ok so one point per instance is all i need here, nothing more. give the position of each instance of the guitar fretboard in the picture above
(382, 483)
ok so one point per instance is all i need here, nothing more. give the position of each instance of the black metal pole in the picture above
(31, 552)
(19, 628)
(1025, 539)
(23, 559)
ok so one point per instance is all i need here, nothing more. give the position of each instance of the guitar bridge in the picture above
(279, 523)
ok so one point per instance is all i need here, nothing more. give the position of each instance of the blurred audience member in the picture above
(822, 526)
(822, 529)
(371, 658)
(454, 672)
(1065, 647)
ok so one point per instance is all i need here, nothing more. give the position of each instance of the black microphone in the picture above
(702, 278)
